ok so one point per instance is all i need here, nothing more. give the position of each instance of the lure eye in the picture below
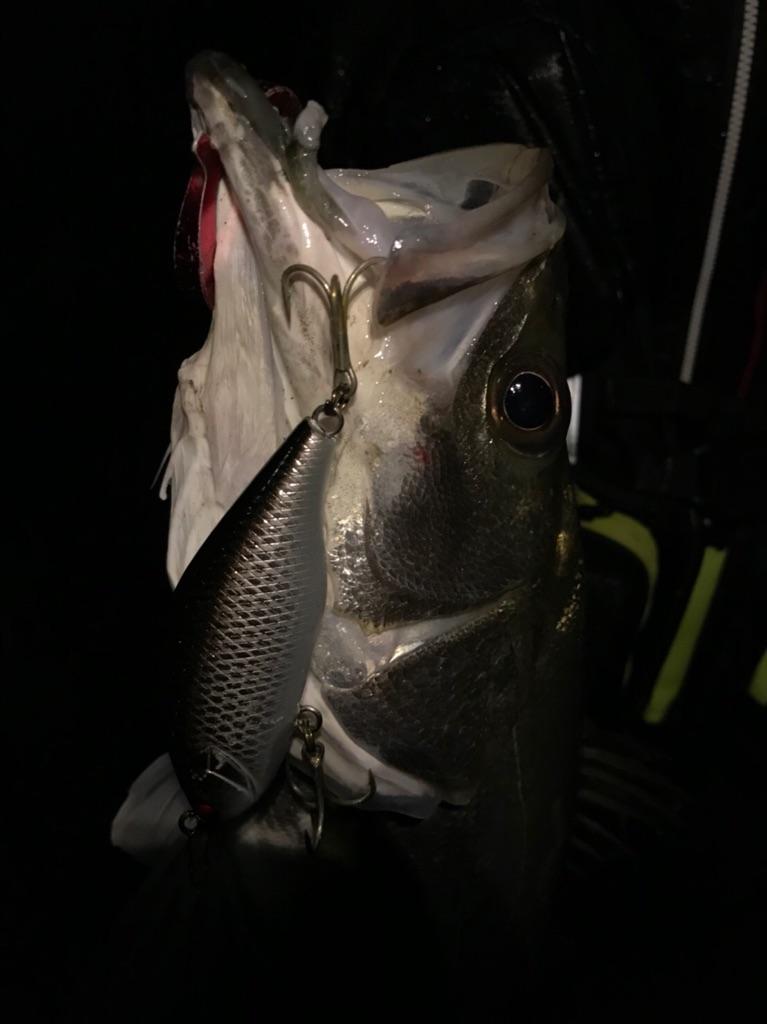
(529, 405)
(530, 402)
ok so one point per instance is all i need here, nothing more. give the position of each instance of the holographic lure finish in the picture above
(247, 611)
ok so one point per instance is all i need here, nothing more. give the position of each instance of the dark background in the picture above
(633, 98)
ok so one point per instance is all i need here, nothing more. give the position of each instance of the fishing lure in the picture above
(249, 605)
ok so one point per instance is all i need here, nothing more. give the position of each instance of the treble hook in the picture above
(338, 300)
(308, 724)
(357, 801)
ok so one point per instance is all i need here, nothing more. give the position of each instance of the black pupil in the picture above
(529, 401)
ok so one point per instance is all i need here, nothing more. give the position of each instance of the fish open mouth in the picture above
(444, 224)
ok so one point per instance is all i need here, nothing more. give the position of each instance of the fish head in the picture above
(449, 516)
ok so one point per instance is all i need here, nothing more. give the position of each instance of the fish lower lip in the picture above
(439, 628)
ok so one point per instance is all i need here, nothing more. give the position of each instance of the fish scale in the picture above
(247, 611)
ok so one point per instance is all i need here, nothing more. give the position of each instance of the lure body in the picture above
(247, 611)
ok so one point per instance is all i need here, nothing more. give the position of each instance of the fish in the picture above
(445, 661)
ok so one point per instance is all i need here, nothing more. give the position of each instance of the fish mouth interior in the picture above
(441, 224)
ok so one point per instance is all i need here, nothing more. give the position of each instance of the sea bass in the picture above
(445, 663)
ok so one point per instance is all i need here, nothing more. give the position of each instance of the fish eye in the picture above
(530, 402)
(529, 405)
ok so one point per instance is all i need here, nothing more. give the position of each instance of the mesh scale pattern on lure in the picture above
(247, 609)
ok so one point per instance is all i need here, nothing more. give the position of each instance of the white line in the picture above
(726, 171)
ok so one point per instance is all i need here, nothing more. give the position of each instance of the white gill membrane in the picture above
(256, 376)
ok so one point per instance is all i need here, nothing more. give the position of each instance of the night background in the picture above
(633, 99)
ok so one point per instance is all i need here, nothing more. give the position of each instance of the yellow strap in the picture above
(632, 535)
(672, 674)
(758, 687)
